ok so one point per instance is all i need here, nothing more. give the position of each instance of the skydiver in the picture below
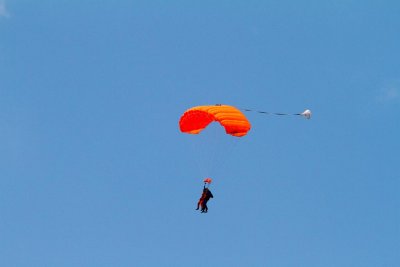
(208, 195)
(203, 196)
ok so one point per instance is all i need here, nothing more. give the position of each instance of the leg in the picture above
(205, 208)
(199, 203)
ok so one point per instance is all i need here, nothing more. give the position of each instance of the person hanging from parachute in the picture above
(205, 196)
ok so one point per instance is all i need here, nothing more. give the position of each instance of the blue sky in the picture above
(95, 172)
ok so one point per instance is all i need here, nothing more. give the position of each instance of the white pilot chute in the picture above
(306, 113)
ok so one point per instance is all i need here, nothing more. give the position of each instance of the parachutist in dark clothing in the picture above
(203, 196)
(207, 195)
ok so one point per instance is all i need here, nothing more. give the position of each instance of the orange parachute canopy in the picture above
(195, 119)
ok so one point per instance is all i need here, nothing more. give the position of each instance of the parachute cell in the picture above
(196, 119)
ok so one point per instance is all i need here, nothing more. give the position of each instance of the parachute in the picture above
(306, 113)
(196, 119)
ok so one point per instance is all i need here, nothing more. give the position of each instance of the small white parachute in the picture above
(307, 114)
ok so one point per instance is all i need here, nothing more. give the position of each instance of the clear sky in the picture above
(95, 172)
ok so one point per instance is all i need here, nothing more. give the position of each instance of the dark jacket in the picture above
(208, 195)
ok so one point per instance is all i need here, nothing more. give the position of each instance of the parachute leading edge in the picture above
(196, 119)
